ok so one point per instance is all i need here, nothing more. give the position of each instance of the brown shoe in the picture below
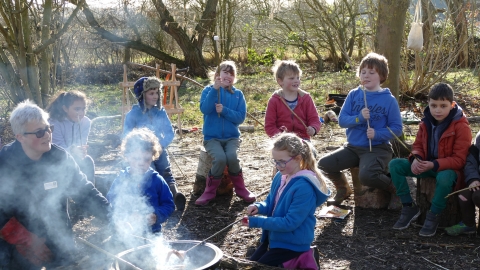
(342, 194)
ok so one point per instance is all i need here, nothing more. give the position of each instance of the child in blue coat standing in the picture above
(150, 113)
(224, 109)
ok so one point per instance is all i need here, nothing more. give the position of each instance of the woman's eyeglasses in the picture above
(280, 164)
(40, 133)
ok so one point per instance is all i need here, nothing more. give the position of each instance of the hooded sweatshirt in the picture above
(278, 115)
(384, 112)
(155, 119)
(150, 194)
(290, 223)
(67, 133)
(233, 114)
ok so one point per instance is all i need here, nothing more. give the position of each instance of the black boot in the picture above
(178, 198)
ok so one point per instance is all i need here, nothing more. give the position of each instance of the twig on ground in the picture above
(437, 265)
(380, 259)
(442, 245)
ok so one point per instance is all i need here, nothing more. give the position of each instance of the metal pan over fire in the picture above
(204, 256)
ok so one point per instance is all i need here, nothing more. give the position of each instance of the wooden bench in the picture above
(368, 197)
(425, 191)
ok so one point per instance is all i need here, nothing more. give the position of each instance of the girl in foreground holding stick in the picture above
(469, 198)
(288, 220)
(382, 112)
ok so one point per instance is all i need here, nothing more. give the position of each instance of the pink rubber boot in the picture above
(240, 189)
(210, 191)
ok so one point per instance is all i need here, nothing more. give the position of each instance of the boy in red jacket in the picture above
(291, 108)
(440, 150)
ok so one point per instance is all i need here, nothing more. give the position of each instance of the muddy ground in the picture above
(363, 240)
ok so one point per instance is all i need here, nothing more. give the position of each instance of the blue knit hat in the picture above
(144, 84)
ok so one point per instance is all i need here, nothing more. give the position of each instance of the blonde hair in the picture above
(294, 145)
(282, 67)
(141, 139)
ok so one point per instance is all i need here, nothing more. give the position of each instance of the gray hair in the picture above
(26, 112)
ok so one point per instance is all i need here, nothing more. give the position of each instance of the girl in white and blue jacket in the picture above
(287, 216)
(71, 128)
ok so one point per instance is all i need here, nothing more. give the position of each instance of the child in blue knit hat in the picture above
(150, 113)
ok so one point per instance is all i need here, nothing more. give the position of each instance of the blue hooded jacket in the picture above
(233, 114)
(292, 224)
(154, 119)
(128, 196)
(384, 112)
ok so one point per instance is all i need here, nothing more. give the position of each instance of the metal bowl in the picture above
(204, 256)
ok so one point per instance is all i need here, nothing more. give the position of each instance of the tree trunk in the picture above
(190, 46)
(388, 39)
(459, 21)
(25, 53)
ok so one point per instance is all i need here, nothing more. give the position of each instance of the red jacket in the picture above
(279, 115)
(452, 147)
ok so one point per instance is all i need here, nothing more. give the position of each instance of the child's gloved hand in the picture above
(252, 210)
(366, 113)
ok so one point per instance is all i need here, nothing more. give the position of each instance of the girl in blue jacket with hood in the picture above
(140, 197)
(224, 109)
(151, 114)
(288, 214)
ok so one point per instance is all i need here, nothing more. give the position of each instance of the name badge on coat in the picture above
(50, 185)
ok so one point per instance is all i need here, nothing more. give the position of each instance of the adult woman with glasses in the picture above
(37, 178)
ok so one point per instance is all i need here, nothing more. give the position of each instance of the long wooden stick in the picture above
(255, 119)
(400, 141)
(298, 117)
(368, 120)
(463, 189)
(205, 240)
(108, 253)
(219, 100)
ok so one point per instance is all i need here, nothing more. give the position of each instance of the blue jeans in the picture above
(400, 168)
(162, 166)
